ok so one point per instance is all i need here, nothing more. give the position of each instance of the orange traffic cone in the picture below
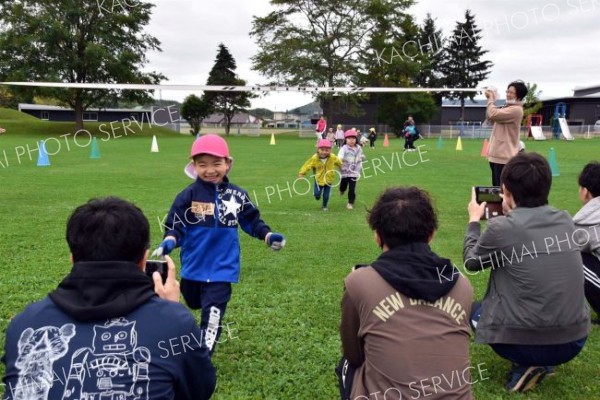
(484, 149)
(386, 141)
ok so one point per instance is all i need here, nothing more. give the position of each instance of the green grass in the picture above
(284, 313)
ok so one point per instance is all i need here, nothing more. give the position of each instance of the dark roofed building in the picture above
(581, 110)
(167, 116)
(63, 114)
(585, 91)
(238, 119)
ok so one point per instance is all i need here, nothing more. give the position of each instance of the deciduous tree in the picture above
(78, 42)
(324, 43)
(531, 103)
(194, 110)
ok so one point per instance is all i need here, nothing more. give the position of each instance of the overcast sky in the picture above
(554, 43)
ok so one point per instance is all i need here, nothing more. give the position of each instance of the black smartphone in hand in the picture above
(159, 266)
(492, 196)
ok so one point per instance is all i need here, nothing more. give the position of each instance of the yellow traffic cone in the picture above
(272, 139)
(459, 144)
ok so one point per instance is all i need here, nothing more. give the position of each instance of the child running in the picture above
(204, 220)
(322, 165)
(352, 157)
(339, 136)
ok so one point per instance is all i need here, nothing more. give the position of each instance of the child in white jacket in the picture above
(352, 157)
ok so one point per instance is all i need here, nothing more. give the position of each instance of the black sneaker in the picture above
(523, 379)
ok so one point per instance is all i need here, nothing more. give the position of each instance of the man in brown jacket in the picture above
(405, 318)
(504, 141)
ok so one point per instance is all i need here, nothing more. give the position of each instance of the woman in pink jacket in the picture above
(504, 141)
(321, 128)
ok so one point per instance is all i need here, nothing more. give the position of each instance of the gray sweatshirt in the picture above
(587, 224)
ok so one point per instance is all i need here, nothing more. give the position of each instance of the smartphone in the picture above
(491, 195)
(159, 266)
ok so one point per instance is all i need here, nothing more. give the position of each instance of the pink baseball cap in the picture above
(211, 144)
(324, 143)
(350, 133)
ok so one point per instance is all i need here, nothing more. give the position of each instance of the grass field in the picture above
(283, 319)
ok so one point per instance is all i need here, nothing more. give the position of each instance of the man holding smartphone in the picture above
(534, 311)
(104, 332)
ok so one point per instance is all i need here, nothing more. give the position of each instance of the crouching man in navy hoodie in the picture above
(108, 331)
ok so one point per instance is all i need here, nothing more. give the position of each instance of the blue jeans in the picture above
(325, 190)
(532, 354)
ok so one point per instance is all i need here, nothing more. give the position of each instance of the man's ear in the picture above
(378, 239)
(142, 263)
(508, 196)
(431, 236)
(584, 194)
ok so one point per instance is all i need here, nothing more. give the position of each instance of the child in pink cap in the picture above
(352, 157)
(203, 221)
(323, 166)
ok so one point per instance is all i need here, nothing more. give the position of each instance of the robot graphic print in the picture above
(113, 368)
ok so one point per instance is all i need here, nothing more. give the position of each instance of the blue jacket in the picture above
(204, 219)
(103, 333)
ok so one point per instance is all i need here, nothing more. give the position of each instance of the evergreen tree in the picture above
(431, 44)
(463, 66)
(400, 40)
(223, 73)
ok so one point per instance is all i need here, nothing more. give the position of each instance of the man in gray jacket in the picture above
(534, 311)
(587, 234)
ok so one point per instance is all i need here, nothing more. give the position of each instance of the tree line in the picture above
(300, 43)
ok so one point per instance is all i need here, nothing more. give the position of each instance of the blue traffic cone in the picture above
(95, 153)
(553, 163)
(43, 159)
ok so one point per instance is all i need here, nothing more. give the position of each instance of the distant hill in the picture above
(261, 113)
(310, 109)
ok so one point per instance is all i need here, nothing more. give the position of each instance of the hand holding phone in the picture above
(159, 266)
(492, 197)
(166, 287)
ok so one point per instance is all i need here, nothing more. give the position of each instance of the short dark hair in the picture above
(108, 229)
(403, 215)
(589, 178)
(528, 177)
(520, 88)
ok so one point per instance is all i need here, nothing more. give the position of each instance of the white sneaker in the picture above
(324, 208)
(349, 206)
